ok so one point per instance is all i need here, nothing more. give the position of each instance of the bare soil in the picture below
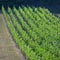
(8, 48)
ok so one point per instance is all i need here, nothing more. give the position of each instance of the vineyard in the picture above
(36, 31)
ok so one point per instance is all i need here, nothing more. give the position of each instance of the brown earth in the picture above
(8, 48)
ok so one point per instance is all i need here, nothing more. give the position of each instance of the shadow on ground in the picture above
(55, 9)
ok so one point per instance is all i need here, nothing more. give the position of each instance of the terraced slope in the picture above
(36, 31)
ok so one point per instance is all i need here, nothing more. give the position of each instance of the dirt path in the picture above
(8, 49)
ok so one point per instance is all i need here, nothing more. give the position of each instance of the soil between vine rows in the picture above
(8, 48)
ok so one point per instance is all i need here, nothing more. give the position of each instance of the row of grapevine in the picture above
(29, 41)
(26, 26)
(18, 38)
(43, 26)
(36, 31)
(53, 35)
